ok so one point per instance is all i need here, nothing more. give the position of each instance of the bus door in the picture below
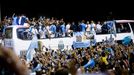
(8, 38)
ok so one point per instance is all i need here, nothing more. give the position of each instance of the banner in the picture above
(81, 40)
(81, 44)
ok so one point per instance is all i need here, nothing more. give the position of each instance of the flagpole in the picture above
(0, 13)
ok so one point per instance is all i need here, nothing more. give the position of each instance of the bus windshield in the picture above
(24, 34)
(8, 33)
(132, 26)
(122, 28)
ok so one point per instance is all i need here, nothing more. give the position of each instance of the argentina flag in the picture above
(31, 49)
(126, 40)
(110, 26)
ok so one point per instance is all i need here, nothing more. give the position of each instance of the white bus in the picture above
(14, 39)
(121, 29)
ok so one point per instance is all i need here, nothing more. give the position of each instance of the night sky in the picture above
(69, 10)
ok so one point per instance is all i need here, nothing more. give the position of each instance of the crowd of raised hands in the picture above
(108, 60)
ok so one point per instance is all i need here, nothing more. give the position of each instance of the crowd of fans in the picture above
(105, 59)
(51, 27)
(115, 59)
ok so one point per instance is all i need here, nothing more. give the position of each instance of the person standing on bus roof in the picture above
(14, 21)
(87, 26)
(83, 26)
(63, 29)
(93, 27)
(53, 29)
(98, 27)
(21, 19)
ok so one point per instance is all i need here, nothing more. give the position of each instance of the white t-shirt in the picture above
(67, 27)
(88, 27)
(98, 26)
(48, 29)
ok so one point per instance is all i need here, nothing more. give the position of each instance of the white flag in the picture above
(31, 49)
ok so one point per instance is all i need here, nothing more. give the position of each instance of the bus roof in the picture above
(123, 21)
(17, 26)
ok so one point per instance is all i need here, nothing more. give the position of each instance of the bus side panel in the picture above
(21, 45)
(53, 43)
(99, 38)
(121, 36)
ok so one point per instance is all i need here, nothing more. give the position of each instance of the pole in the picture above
(0, 12)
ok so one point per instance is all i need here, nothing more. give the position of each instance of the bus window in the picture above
(8, 33)
(122, 28)
(24, 34)
(132, 26)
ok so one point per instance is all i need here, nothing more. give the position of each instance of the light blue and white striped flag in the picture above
(31, 49)
(126, 40)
